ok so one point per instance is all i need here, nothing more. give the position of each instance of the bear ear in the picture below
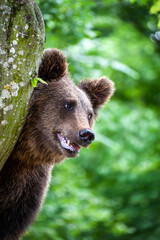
(99, 91)
(53, 65)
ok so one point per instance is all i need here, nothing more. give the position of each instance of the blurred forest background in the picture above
(112, 190)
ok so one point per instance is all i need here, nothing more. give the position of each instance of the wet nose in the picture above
(86, 135)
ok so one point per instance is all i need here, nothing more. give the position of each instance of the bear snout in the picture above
(86, 136)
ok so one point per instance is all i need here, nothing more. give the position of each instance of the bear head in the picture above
(62, 114)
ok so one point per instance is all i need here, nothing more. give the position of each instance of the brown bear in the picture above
(58, 124)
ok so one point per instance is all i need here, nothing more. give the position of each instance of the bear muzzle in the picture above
(68, 144)
(85, 137)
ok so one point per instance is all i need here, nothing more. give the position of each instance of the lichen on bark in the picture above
(22, 38)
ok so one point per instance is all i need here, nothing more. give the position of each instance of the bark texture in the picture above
(22, 38)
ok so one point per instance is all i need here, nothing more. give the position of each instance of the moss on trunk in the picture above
(22, 38)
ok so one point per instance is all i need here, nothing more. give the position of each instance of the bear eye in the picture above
(69, 105)
(90, 116)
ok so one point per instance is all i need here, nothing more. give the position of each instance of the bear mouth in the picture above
(66, 144)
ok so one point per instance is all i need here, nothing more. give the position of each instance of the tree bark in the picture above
(22, 38)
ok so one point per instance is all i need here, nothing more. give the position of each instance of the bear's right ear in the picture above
(53, 65)
(99, 91)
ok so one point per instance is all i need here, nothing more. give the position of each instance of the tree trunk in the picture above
(22, 38)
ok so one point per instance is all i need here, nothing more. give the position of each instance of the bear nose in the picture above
(86, 135)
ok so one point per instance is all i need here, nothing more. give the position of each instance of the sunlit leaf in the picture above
(35, 81)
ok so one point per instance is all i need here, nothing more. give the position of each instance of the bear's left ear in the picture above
(53, 65)
(98, 90)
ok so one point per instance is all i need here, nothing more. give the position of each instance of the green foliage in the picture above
(74, 14)
(154, 7)
(111, 191)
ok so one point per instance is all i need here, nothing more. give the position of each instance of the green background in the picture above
(112, 190)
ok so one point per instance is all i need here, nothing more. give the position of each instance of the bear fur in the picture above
(59, 122)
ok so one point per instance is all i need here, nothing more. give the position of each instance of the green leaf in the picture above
(42, 81)
(159, 21)
(155, 7)
(35, 81)
(132, 1)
